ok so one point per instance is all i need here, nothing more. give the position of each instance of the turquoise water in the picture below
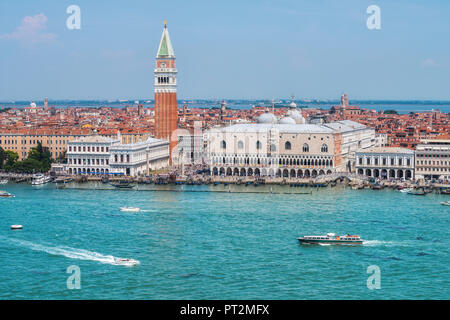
(210, 245)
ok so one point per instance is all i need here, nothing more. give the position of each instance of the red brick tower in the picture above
(166, 111)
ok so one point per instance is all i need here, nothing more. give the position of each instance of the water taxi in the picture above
(446, 203)
(406, 190)
(4, 181)
(126, 262)
(130, 209)
(331, 238)
(16, 227)
(4, 194)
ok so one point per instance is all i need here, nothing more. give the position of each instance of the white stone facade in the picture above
(433, 159)
(90, 155)
(386, 163)
(288, 150)
(101, 155)
(139, 158)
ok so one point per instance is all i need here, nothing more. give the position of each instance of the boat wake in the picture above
(377, 243)
(73, 253)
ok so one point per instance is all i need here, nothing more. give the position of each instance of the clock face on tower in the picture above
(163, 64)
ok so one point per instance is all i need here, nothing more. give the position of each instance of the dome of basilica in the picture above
(296, 115)
(266, 118)
(287, 120)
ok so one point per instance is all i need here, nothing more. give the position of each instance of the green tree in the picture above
(38, 160)
(42, 155)
(390, 112)
(2, 157)
(29, 166)
(10, 160)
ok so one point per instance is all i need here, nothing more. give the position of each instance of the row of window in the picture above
(425, 155)
(432, 169)
(82, 170)
(287, 146)
(88, 149)
(264, 161)
(93, 162)
(116, 158)
(384, 161)
(429, 162)
(163, 79)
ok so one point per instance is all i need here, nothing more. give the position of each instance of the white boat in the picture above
(4, 181)
(126, 262)
(331, 238)
(4, 194)
(446, 203)
(130, 209)
(406, 190)
(39, 179)
(16, 227)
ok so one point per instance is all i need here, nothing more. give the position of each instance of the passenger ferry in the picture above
(331, 238)
(39, 179)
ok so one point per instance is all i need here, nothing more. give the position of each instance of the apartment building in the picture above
(433, 159)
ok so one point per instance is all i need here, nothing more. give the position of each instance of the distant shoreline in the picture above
(401, 106)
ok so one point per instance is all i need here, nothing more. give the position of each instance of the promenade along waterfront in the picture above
(217, 245)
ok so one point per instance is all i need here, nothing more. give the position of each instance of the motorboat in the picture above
(331, 238)
(417, 192)
(39, 179)
(445, 203)
(4, 181)
(405, 190)
(4, 194)
(123, 185)
(126, 262)
(16, 227)
(130, 209)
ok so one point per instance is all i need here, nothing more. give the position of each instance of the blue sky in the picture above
(226, 49)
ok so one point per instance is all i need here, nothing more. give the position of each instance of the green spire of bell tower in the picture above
(165, 49)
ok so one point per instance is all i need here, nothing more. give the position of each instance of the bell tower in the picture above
(166, 110)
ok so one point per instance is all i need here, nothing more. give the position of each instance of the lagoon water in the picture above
(212, 245)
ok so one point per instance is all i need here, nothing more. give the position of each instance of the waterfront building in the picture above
(190, 145)
(350, 137)
(56, 142)
(386, 163)
(190, 148)
(90, 155)
(101, 155)
(139, 158)
(433, 159)
(286, 147)
(165, 82)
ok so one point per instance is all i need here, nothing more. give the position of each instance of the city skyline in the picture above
(238, 51)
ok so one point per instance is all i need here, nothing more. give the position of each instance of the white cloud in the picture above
(429, 63)
(31, 30)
